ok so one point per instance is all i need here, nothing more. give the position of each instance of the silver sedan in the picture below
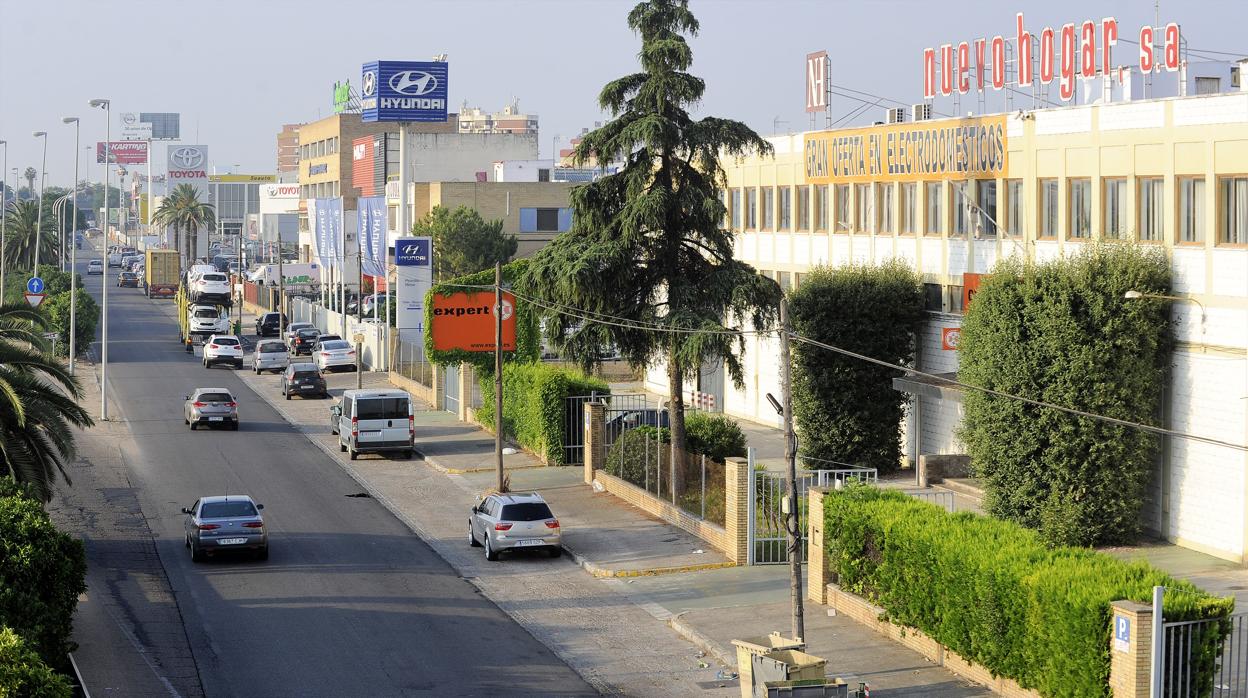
(212, 407)
(230, 523)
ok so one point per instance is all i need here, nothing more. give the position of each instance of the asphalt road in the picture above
(350, 602)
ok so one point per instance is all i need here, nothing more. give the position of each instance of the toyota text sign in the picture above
(403, 91)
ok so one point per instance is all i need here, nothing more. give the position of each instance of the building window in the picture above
(887, 199)
(543, 174)
(986, 215)
(784, 278)
(955, 299)
(1114, 206)
(1233, 216)
(751, 208)
(959, 200)
(909, 191)
(843, 217)
(933, 298)
(1208, 86)
(1080, 199)
(736, 209)
(803, 209)
(1013, 207)
(822, 206)
(1048, 208)
(769, 208)
(1192, 209)
(865, 202)
(933, 219)
(1152, 202)
(786, 208)
(545, 220)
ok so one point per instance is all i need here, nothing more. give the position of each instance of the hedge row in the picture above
(535, 405)
(23, 674)
(992, 591)
(55, 306)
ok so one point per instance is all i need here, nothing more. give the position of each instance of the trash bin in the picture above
(758, 646)
(810, 688)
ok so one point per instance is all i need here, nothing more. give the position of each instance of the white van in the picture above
(375, 421)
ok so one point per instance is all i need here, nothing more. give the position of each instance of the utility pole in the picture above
(43, 181)
(498, 373)
(4, 212)
(793, 523)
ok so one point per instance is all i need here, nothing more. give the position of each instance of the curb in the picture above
(465, 471)
(714, 649)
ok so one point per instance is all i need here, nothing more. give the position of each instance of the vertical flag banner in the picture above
(334, 231)
(372, 229)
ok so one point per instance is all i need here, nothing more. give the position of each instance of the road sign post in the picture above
(34, 298)
(34, 285)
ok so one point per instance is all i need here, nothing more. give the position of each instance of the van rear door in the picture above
(382, 421)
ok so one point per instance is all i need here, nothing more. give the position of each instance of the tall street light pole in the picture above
(4, 212)
(108, 155)
(73, 252)
(43, 181)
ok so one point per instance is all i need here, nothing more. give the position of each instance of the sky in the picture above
(238, 70)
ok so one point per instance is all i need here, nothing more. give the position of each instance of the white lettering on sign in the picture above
(412, 103)
(817, 81)
(188, 174)
(1072, 52)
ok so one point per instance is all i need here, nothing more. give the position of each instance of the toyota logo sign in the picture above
(187, 158)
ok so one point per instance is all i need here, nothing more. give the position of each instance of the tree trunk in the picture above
(676, 421)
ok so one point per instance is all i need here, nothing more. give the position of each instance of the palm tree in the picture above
(30, 175)
(38, 403)
(20, 238)
(185, 213)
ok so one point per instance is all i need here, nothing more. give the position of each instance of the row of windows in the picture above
(937, 298)
(321, 148)
(977, 208)
(324, 190)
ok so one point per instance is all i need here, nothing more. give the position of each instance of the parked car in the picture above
(212, 287)
(294, 327)
(270, 356)
(128, 279)
(269, 324)
(303, 379)
(322, 338)
(376, 421)
(95, 266)
(303, 341)
(506, 522)
(230, 523)
(210, 406)
(623, 421)
(116, 254)
(334, 354)
(372, 300)
(223, 349)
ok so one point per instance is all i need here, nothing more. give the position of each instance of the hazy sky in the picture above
(238, 70)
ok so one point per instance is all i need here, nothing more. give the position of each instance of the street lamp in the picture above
(1136, 295)
(108, 152)
(4, 213)
(43, 181)
(73, 251)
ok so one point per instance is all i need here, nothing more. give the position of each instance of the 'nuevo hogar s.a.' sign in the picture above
(404, 91)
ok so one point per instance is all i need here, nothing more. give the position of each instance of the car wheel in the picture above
(408, 454)
(234, 426)
(556, 551)
(490, 553)
(186, 540)
(197, 555)
(263, 554)
(342, 448)
(286, 394)
(472, 538)
(352, 453)
(193, 425)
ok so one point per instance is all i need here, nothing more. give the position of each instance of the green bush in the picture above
(42, 572)
(846, 410)
(1061, 332)
(717, 436)
(635, 451)
(995, 593)
(85, 319)
(535, 405)
(24, 675)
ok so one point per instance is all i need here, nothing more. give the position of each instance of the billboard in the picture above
(974, 147)
(413, 270)
(133, 129)
(817, 86)
(466, 320)
(404, 91)
(166, 126)
(123, 152)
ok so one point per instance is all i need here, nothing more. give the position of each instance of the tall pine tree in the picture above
(648, 242)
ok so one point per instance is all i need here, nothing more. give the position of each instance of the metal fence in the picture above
(1205, 658)
(767, 520)
(623, 412)
(944, 500)
(450, 389)
(691, 481)
(409, 362)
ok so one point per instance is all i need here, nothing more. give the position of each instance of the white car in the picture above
(270, 356)
(334, 353)
(213, 287)
(207, 319)
(95, 266)
(115, 257)
(223, 349)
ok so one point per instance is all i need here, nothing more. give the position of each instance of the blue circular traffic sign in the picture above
(34, 285)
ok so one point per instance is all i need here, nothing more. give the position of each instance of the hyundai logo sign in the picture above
(412, 252)
(404, 91)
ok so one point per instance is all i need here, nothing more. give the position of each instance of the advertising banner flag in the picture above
(372, 229)
(334, 231)
(317, 220)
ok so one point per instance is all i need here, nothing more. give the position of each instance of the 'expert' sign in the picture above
(466, 321)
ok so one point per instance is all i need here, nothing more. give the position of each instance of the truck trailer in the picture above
(162, 273)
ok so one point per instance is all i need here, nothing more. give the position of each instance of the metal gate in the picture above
(450, 389)
(768, 537)
(623, 412)
(1205, 657)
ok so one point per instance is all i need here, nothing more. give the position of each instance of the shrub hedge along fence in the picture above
(1061, 332)
(997, 594)
(535, 405)
(846, 410)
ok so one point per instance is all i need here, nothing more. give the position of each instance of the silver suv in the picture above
(211, 406)
(504, 522)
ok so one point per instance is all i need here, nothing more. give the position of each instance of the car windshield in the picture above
(303, 368)
(226, 510)
(214, 397)
(296, 326)
(381, 408)
(308, 333)
(329, 337)
(213, 277)
(206, 313)
(336, 344)
(226, 341)
(529, 511)
(271, 348)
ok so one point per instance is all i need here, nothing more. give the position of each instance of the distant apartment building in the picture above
(288, 149)
(509, 120)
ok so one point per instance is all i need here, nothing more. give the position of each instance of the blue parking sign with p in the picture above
(34, 285)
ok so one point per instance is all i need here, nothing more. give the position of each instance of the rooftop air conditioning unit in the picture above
(920, 112)
(895, 116)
